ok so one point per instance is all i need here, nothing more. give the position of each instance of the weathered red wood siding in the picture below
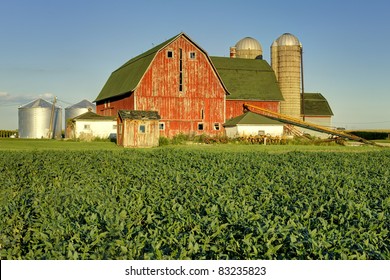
(202, 99)
(110, 107)
(235, 108)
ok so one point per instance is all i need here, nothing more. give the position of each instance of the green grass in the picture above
(195, 202)
(7, 144)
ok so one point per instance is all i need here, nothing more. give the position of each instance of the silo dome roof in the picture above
(82, 104)
(38, 103)
(248, 43)
(287, 39)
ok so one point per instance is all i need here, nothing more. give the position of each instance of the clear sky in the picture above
(69, 48)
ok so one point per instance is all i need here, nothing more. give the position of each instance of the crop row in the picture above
(176, 204)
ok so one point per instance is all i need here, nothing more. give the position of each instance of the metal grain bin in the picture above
(35, 118)
(77, 110)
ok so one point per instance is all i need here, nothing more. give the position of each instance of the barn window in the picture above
(180, 70)
(192, 55)
(200, 126)
(142, 128)
(181, 81)
(161, 126)
(87, 126)
(216, 126)
(169, 54)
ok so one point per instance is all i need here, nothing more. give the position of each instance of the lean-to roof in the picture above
(138, 115)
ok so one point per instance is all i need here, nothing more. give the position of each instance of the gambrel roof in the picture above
(127, 77)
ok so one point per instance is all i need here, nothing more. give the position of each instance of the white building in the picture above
(251, 124)
(89, 126)
(317, 111)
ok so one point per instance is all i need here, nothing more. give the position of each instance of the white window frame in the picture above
(161, 125)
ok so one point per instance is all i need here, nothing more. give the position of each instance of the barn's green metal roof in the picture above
(249, 79)
(315, 104)
(126, 78)
(250, 118)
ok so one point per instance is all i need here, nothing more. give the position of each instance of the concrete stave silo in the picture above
(38, 120)
(77, 110)
(286, 59)
(247, 47)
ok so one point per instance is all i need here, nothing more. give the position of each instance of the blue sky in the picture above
(69, 48)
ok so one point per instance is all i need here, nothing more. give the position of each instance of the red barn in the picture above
(178, 80)
(192, 92)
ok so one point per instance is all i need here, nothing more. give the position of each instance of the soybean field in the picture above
(176, 203)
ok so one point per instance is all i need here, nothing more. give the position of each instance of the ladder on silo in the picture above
(50, 134)
(297, 122)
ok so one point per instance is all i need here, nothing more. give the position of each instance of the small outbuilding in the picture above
(78, 109)
(316, 110)
(90, 125)
(138, 128)
(251, 124)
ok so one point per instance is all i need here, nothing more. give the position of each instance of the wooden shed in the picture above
(138, 128)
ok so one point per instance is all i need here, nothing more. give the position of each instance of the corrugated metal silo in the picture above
(78, 109)
(36, 120)
(286, 57)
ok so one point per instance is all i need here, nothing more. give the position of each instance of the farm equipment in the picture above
(298, 122)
